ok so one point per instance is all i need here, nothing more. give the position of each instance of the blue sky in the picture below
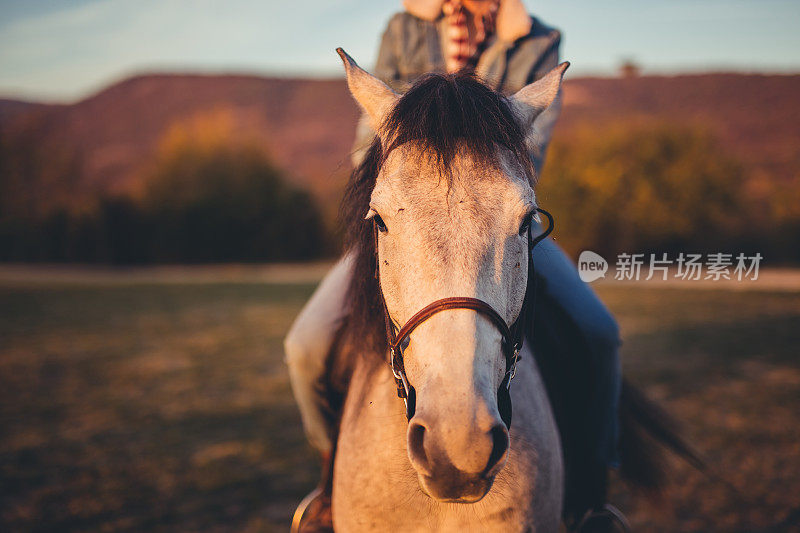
(66, 49)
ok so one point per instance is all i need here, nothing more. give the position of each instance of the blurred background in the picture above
(170, 173)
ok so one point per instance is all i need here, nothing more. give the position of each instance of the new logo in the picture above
(591, 266)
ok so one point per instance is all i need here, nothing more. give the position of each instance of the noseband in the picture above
(513, 335)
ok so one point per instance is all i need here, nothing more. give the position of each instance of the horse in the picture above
(439, 220)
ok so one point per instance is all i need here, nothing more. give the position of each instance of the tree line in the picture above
(201, 202)
(635, 187)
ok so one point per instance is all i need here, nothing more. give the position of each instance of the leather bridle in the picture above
(513, 336)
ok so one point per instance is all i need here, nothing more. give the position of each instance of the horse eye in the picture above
(380, 223)
(526, 223)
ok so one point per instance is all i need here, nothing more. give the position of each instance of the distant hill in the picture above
(308, 125)
(305, 124)
(10, 109)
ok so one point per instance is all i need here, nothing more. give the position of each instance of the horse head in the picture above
(451, 208)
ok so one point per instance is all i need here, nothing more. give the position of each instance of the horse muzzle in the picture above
(457, 466)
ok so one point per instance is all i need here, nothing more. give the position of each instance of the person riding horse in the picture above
(507, 49)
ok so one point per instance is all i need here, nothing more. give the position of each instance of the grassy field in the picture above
(164, 406)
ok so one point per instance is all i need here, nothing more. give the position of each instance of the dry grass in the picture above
(162, 406)
(726, 364)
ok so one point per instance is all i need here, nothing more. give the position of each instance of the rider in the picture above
(508, 49)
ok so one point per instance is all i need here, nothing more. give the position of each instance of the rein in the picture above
(513, 335)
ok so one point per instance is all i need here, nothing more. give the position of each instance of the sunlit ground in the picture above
(139, 403)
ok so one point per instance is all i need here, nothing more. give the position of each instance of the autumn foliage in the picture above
(212, 198)
(210, 193)
(643, 187)
(208, 196)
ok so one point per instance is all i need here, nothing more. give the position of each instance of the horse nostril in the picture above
(416, 447)
(497, 458)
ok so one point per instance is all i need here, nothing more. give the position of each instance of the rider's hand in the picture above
(512, 21)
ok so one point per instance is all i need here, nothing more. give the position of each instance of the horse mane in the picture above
(443, 115)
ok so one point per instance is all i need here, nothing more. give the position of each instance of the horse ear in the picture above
(535, 97)
(374, 96)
